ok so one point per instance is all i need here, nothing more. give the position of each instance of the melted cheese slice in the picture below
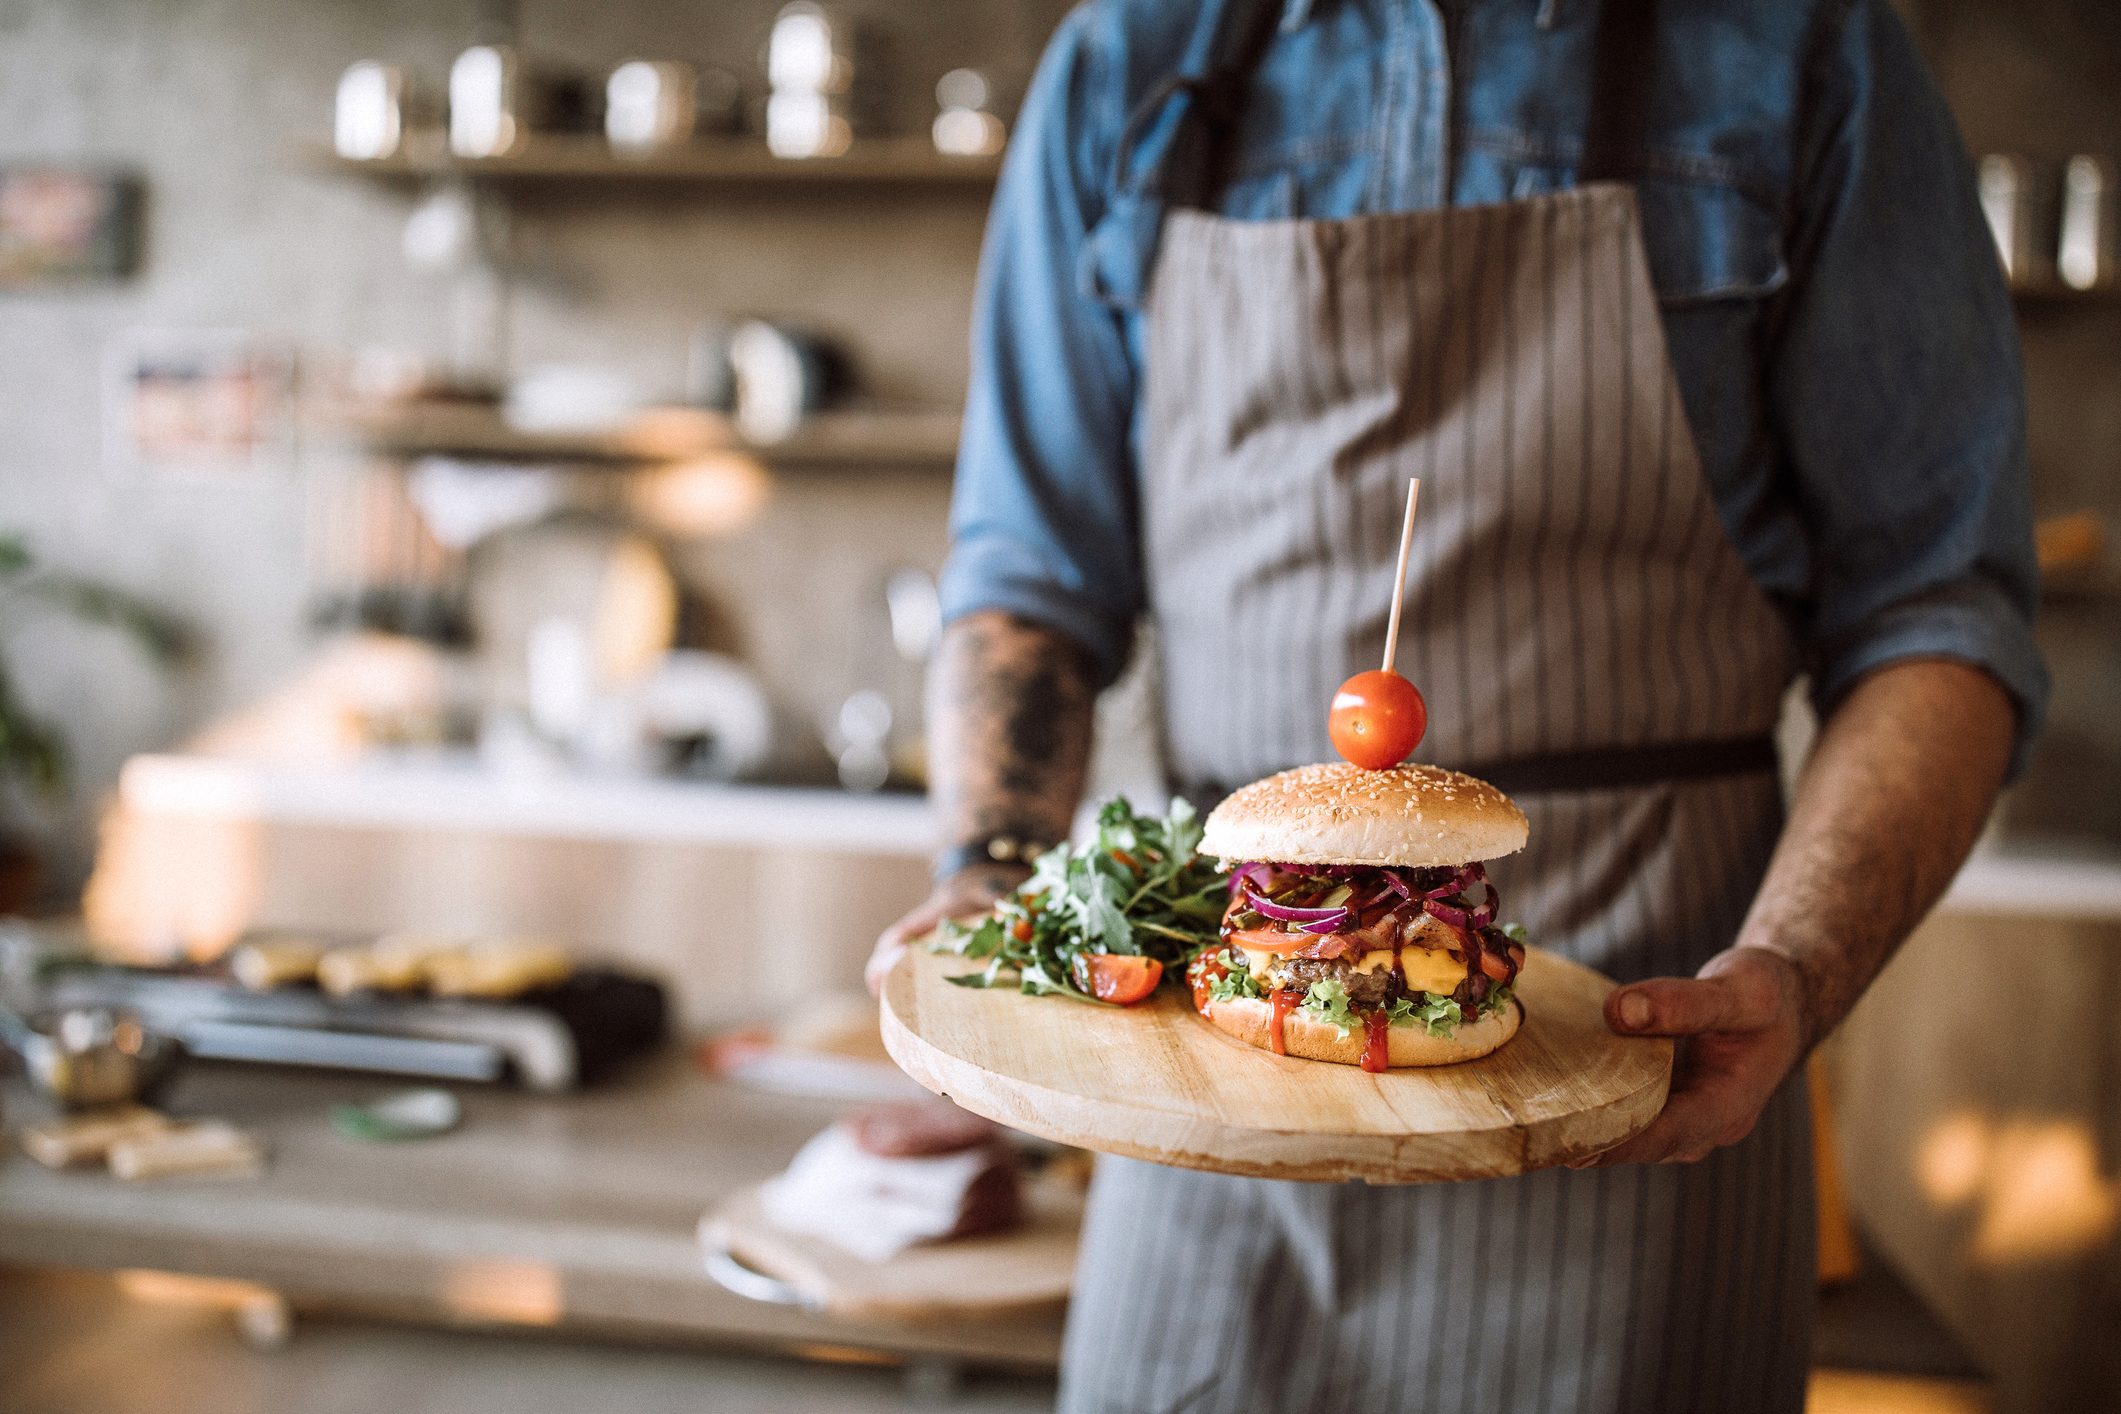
(1430, 971)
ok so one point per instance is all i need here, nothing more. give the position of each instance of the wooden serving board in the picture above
(1026, 1270)
(1157, 1082)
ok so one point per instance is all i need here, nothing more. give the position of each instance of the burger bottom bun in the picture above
(1251, 1020)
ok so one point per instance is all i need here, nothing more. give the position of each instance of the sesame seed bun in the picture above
(1251, 1021)
(1411, 816)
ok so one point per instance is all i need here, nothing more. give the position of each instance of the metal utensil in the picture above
(89, 1056)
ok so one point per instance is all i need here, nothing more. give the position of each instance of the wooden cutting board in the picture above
(1157, 1082)
(1020, 1272)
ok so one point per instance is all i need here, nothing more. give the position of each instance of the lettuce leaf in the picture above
(1327, 1001)
(1238, 982)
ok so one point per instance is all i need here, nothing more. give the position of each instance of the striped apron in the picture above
(1573, 602)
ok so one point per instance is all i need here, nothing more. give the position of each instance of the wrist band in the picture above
(991, 849)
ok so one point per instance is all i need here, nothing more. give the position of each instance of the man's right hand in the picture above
(965, 894)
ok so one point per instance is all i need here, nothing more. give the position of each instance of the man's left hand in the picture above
(1741, 1029)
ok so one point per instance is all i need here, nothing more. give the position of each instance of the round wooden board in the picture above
(1019, 1272)
(1157, 1082)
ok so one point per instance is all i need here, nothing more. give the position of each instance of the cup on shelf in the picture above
(2085, 256)
(965, 123)
(650, 105)
(372, 111)
(827, 76)
(498, 99)
(2010, 200)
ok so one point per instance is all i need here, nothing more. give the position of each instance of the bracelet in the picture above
(993, 849)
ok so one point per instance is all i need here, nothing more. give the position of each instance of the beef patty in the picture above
(1364, 988)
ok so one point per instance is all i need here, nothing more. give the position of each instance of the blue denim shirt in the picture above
(1843, 341)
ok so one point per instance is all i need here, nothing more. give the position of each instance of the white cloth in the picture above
(870, 1206)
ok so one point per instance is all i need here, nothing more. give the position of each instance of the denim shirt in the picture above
(1843, 341)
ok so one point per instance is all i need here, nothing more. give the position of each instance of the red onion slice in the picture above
(1464, 879)
(1311, 918)
(1447, 913)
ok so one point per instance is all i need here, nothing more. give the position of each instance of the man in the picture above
(1687, 317)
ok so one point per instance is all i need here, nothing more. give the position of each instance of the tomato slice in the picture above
(1272, 940)
(1116, 977)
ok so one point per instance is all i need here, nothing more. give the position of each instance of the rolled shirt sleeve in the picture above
(1044, 514)
(1895, 384)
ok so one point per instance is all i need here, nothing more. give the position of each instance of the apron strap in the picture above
(1219, 101)
(1622, 48)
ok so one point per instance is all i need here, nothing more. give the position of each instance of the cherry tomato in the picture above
(1378, 718)
(1116, 977)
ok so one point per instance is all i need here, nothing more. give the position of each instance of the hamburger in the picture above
(1361, 926)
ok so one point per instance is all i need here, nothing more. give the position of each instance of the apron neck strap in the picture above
(1247, 29)
(1622, 50)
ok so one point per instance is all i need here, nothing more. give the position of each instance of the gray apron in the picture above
(1573, 598)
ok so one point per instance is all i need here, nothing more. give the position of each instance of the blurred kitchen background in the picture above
(471, 479)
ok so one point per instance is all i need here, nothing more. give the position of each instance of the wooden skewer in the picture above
(1399, 580)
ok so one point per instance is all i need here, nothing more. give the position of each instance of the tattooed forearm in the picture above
(1009, 715)
(1895, 793)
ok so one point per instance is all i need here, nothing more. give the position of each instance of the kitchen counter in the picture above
(454, 790)
(539, 1211)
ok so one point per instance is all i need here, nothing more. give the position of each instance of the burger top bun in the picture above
(1411, 816)
(1251, 1021)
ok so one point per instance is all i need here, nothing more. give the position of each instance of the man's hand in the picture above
(1742, 1029)
(965, 894)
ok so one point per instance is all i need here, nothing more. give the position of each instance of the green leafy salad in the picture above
(1104, 920)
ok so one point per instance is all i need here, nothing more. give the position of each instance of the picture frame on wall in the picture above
(62, 226)
(198, 405)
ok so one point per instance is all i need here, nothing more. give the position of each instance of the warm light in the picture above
(2045, 1195)
(843, 1355)
(2036, 1183)
(708, 496)
(177, 1289)
(674, 433)
(1855, 1392)
(1951, 1158)
(521, 1293)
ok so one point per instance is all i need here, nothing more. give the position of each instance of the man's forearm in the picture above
(1010, 709)
(1896, 791)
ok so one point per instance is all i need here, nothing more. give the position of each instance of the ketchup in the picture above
(1284, 1000)
(1377, 1042)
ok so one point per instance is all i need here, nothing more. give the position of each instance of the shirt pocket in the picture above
(1709, 241)
(1706, 240)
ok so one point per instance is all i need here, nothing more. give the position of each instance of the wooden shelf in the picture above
(913, 438)
(883, 162)
(2058, 296)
